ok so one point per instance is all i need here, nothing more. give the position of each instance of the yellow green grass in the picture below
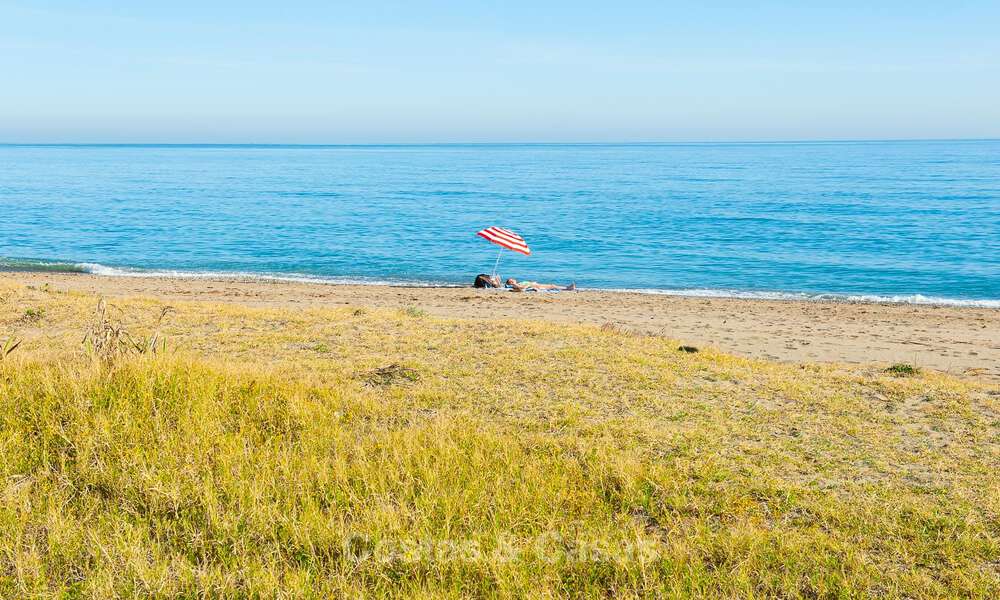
(259, 453)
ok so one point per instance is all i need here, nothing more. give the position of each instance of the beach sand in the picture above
(957, 340)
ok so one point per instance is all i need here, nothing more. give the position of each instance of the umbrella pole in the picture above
(497, 263)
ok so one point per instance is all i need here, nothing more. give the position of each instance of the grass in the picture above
(32, 315)
(413, 311)
(496, 460)
(902, 370)
(391, 374)
(8, 346)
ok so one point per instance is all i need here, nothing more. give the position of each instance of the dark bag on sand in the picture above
(483, 281)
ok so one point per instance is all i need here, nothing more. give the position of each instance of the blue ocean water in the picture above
(905, 221)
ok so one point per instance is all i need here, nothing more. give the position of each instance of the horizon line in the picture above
(508, 143)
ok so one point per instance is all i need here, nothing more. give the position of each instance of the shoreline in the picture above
(100, 270)
(962, 341)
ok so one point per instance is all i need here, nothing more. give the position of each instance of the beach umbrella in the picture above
(505, 238)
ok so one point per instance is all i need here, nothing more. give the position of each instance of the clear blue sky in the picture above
(376, 71)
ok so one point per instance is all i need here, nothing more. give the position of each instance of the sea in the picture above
(890, 221)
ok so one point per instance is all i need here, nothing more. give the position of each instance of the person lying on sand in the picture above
(521, 286)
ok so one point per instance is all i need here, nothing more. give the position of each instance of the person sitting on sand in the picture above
(522, 286)
(487, 281)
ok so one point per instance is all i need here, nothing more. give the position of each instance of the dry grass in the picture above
(254, 457)
(108, 339)
(9, 346)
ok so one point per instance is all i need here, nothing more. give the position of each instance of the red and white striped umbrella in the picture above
(505, 238)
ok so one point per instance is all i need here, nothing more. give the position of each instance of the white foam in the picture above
(829, 297)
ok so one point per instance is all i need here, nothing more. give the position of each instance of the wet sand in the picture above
(958, 340)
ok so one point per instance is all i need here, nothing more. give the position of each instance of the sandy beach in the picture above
(243, 353)
(959, 341)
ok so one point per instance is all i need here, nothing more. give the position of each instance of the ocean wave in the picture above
(26, 265)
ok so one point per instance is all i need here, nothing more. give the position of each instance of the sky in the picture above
(294, 71)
